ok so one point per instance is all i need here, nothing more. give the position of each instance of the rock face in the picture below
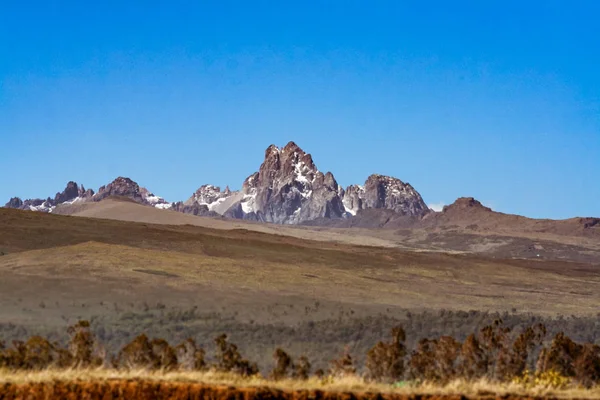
(14, 202)
(71, 192)
(288, 189)
(125, 187)
(384, 192)
(201, 210)
(393, 194)
(352, 198)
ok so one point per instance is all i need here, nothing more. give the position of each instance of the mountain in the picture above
(288, 189)
(384, 192)
(71, 194)
(207, 201)
(466, 213)
(125, 187)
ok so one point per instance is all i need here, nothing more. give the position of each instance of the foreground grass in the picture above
(348, 384)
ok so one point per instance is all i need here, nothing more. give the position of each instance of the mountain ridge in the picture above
(288, 188)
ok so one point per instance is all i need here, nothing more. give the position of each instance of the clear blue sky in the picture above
(499, 100)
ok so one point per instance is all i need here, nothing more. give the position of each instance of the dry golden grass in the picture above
(343, 275)
(353, 384)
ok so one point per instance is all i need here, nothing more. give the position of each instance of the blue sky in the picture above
(499, 100)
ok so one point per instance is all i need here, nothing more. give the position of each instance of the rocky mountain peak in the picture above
(384, 192)
(353, 198)
(126, 187)
(14, 202)
(465, 203)
(121, 186)
(208, 195)
(72, 192)
(288, 188)
(292, 147)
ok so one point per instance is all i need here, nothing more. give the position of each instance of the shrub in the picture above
(587, 365)
(572, 360)
(83, 347)
(560, 356)
(35, 354)
(549, 379)
(343, 366)
(164, 356)
(472, 360)
(435, 360)
(495, 344)
(385, 361)
(229, 358)
(144, 353)
(302, 368)
(190, 356)
(525, 343)
(283, 363)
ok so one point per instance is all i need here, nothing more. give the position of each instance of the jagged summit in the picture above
(288, 188)
(71, 194)
(126, 187)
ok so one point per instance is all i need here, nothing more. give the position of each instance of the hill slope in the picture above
(53, 256)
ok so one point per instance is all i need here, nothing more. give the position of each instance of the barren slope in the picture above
(469, 231)
(54, 257)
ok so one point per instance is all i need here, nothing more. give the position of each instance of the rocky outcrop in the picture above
(352, 198)
(125, 187)
(121, 186)
(201, 210)
(71, 192)
(14, 202)
(391, 193)
(289, 189)
(384, 192)
(465, 203)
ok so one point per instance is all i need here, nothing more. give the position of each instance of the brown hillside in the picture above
(471, 214)
(52, 256)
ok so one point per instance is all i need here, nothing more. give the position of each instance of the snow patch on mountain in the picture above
(249, 203)
(437, 207)
(44, 207)
(352, 198)
(154, 200)
(301, 171)
(210, 196)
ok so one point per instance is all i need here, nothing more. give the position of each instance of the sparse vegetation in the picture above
(492, 353)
